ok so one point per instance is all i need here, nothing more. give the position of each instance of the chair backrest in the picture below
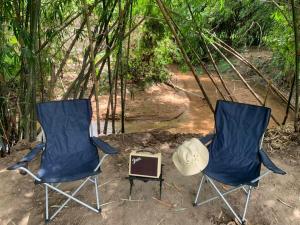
(66, 126)
(239, 131)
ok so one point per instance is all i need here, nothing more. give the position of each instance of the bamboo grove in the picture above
(97, 36)
(38, 74)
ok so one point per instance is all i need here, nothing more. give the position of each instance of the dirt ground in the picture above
(164, 118)
(275, 201)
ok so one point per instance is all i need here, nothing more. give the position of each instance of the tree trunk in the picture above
(296, 21)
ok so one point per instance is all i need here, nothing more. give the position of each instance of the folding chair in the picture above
(69, 154)
(235, 152)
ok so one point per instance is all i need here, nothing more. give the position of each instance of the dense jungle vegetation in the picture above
(112, 46)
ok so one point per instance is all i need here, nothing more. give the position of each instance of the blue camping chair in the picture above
(235, 151)
(69, 154)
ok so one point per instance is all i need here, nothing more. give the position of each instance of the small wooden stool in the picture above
(146, 179)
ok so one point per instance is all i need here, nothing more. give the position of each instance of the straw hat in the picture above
(191, 157)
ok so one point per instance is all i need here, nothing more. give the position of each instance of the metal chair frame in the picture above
(54, 187)
(246, 188)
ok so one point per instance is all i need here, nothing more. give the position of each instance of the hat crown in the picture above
(191, 157)
(188, 153)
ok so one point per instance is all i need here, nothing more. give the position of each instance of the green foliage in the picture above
(9, 59)
(280, 39)
(25, 68)
(142, 74)
(149, 66)
(155, 51)
(167, 52)
(241, 24)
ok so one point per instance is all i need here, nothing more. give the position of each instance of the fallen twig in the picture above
(179, 209)
(170, 84)
(57, 206)
(107, 203)
(177, 188)
(130, 200)
(170, 205)
(100, 185)
(173, 186)
(220, 215)
(160, 221)
(286, 204)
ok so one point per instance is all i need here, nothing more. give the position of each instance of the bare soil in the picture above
(275, 201)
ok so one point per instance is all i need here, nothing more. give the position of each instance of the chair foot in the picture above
(47, 221)
(244, 222)
(195, 204)
(99, 210)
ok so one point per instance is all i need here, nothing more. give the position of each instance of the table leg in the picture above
(131, 184)
(160, 186)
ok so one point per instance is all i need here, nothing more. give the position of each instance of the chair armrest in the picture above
(206, 140)
(17, 165)
(105, 147)
(27, 158)
(268, 163)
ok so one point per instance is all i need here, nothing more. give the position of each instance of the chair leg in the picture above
(46, 205)
(69, 196)
(198, 192)
(240, 219)
(246, 204)
(226, 202)
(97, 194)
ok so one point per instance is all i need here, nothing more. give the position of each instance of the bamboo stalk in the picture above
(122, 79)
(127, 63)
(85, 79)
(296, 23)
(236, 54)
(266, 97)
(81, 75)
(218, 72)
(65, 25)
(103, 37)
(111, 94)
(185, 56)
(206, 49)
(92, 64)
(34, 21)
(107, 115)
(125, 36)
(64, 61)
(98, 78)
(198, 58)
(289, 102)
(242, 79)
(115, 99)
(110, 81)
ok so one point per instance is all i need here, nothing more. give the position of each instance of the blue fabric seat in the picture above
(69, 152)
(234, 151)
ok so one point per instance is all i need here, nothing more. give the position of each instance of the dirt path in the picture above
(198, 117)
(198, 112)
(195, 115)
